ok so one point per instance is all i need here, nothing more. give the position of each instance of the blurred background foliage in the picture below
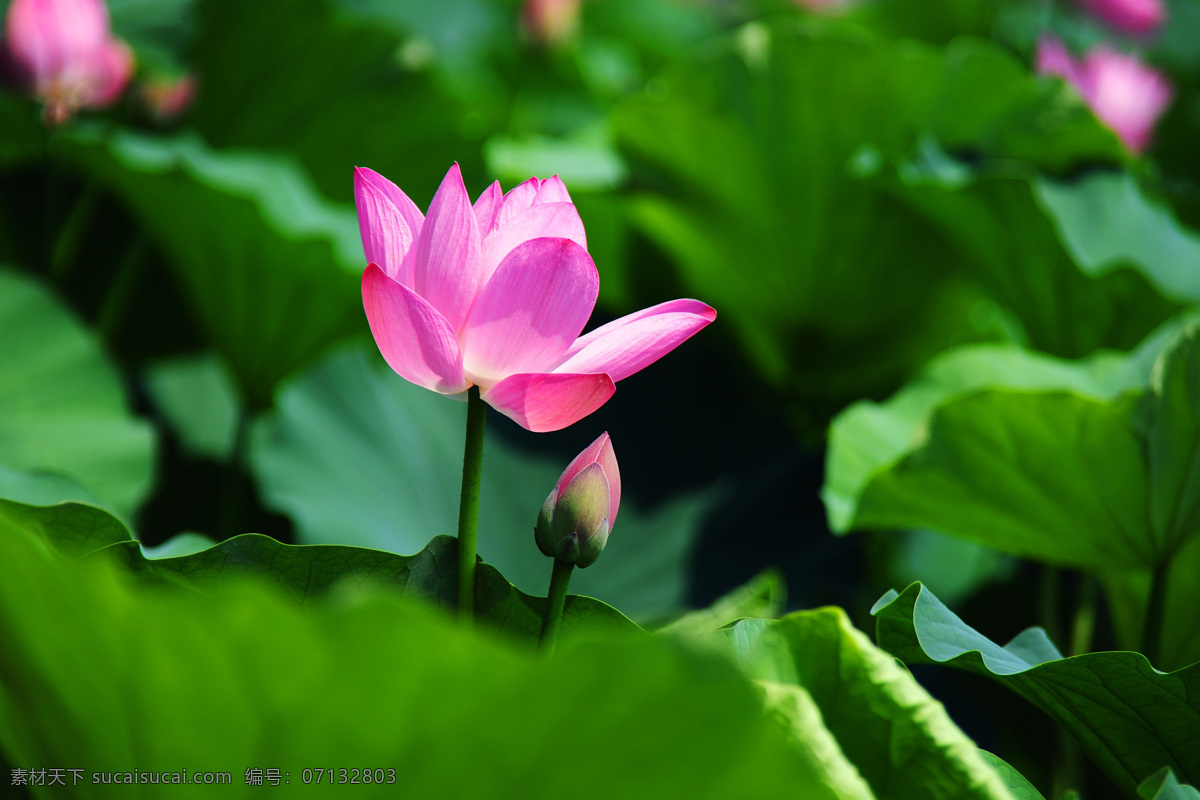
(857, 193)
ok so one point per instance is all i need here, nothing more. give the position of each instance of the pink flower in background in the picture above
(495, 295)
(825, 6)
(551, 21)
(1136, 17)
(63, 51)
(575, 520)
(1124, 93)
(167, 98)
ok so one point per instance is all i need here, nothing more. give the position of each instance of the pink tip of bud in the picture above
(577, 516)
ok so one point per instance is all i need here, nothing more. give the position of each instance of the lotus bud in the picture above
(574, 522)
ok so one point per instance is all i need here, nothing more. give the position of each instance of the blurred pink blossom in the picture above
(167, 98)
(63, 52)
(1124, 93)
(1136, 17)
(825, 6)
(495, 295)
(551, 21)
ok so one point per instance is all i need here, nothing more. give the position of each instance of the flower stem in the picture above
(1085, 616)
(50, 198)
(1156, 605)
(235, 492)
(555, 600)
(120, 293)
(468, 504)
(65, 248)
(1050, 601)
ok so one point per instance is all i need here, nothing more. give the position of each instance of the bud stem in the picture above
(468, 504)
(555, 600)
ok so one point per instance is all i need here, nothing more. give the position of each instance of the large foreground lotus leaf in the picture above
(105, 674)
(1131, 719)
(308, 574)
(1088, 478)
(72, 529)
(357, 456)
(268, 266)
(884, 733)
(759, 160)
(62, 405)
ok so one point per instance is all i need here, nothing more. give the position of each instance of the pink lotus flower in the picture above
(1136, 17)
(495, 295)
(1124, 93)
(576, 518)
(62, 51)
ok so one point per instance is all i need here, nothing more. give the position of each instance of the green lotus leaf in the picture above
(1127, 716)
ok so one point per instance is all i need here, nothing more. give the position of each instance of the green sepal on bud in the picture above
(573, 525)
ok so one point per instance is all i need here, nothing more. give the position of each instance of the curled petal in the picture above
(554, 220)
(542, 402)
(530, 311)
(631, 343)
(446, 261)
(415, 340)
(388, 222)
